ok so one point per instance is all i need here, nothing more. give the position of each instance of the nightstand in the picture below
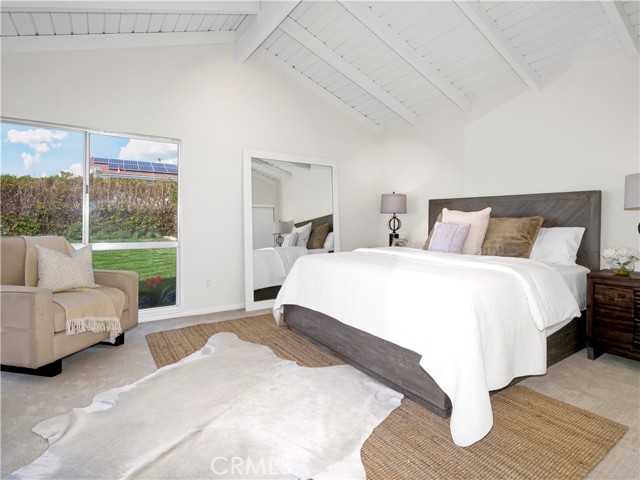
(613, 314)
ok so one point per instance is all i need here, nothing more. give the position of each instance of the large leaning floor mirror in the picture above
(290, 210)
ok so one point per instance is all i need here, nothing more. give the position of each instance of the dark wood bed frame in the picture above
(398, 367)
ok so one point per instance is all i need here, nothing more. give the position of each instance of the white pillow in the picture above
(329, 243)
(58, 271)
(479, 222)
(304, 232)
(557, 245)
(290, 240)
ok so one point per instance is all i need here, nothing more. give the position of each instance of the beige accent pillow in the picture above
(511, 237)
(318, 236)
(479, 222)
(428, 241)
(58, 271)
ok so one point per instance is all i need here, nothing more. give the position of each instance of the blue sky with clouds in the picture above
(41, 152)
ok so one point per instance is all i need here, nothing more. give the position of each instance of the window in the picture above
(117, 192)
(41, 181)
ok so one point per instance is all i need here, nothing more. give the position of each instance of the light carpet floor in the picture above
(609, 387)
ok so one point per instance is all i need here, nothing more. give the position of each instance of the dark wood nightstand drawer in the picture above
(613, 313)
(615, 319)
(610, 336)
(619, 296)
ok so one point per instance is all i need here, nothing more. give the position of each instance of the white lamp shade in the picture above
(632, 192)
(393, 203)
(282, 227)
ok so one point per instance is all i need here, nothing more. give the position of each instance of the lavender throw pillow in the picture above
(448, 237)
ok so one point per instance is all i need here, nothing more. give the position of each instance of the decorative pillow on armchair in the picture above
(58, 271)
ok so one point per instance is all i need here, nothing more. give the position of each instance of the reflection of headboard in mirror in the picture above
(565, 209)
(316, 222)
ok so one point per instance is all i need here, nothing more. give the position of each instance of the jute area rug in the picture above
(533, 435)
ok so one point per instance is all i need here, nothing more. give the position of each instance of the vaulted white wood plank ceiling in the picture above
(380, 62)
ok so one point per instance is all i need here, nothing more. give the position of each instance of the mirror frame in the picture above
(247, 156)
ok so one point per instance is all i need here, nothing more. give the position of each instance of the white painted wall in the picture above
(307, 194)
(265, 193)
(215, 105)
(580, 132)
(423, 162)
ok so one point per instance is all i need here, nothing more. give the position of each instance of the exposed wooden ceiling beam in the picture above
(270, 16)
(318, 90)
(622, 25)
(365, 15)
(137, 6)
(266, 168)
(293, 29)
(486, 25)
(46, 43)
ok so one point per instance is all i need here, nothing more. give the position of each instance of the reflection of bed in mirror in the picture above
(272, 264)
(282, 190)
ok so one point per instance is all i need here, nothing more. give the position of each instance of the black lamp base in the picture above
(392, 236)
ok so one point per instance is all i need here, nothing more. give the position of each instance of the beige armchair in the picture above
(33, 326)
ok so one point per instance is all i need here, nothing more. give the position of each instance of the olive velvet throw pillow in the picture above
(318, 236)
(511, 237)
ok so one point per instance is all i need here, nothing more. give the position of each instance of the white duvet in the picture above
(477, 321)
(271, 265)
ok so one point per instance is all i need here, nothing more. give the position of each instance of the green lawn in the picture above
(148, 262)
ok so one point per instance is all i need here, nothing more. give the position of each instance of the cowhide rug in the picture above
(231, 410)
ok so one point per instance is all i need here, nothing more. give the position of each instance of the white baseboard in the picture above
(175, 313)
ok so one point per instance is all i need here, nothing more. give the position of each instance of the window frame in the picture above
(147, 313)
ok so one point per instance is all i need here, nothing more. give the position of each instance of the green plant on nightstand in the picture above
(621, 260)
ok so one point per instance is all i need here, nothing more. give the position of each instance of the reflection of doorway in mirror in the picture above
(263, 216)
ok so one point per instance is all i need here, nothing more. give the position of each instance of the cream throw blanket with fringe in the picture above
(94, 310)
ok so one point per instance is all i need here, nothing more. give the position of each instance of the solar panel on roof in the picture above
(137, 165)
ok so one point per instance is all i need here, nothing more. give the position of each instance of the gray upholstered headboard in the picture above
(565, 209)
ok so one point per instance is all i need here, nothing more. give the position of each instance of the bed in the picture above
(271, 265)
(399, 367)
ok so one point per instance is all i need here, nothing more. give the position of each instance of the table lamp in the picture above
(279, 228)
(393, 203)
